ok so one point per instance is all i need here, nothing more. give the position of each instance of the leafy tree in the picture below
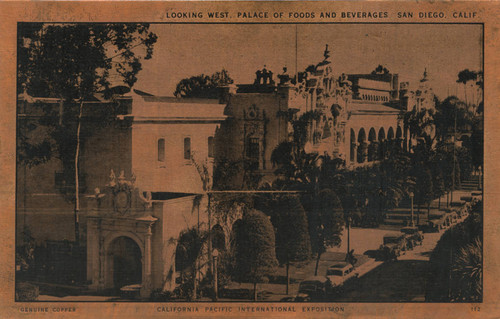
(292, 236)
(255, 249)
(72, 62)
(424, 189)
(477, 142)
(420, 123)
(397, 183)
(438, 189)
(326, 222)
(203, 86)
(296, 167)
(292, 233)
(452, 113)
(466, 76)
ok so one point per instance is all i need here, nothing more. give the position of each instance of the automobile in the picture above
(413, 236)
(432, 226)
(445, 221)
(337, 274)
(312, 289)
(394, 243)
(453, 217)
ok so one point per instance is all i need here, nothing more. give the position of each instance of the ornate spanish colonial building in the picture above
(355, 116)
(146, 166)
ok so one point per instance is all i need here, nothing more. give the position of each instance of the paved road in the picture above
(401, 280)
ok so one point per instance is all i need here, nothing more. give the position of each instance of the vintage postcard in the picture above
(253, 159)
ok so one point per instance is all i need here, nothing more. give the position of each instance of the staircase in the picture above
(470, 184)
(402, 216)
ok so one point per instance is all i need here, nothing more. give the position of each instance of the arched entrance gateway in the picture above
(129, 239)
(119, 239)
(124, 263)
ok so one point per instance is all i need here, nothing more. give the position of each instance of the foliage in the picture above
(203, 86)
(455, 271)
(73, 62)
(26, 292)
(189, 248)
(450, 110)
(295, 166)
(326, 219)
(239, 174)
(420, 123)
(477, 142)
(298, 168)
(188, 259)
(468, 269)
(255, 248)
(466, 75)
(292, 234)
(159, 295)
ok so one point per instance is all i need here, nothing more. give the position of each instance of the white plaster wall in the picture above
(175, 216)
(175, 174)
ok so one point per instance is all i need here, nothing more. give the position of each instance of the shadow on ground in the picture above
(398, 281)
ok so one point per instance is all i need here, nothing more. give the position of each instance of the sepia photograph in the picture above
(249, 162)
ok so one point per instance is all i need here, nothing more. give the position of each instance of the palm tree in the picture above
(468, 271)
(188, 254)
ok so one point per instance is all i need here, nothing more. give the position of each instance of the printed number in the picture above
(475, 308)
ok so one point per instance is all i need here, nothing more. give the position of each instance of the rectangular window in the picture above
(211, 147)
(187, 148)
(161, 150)
(253, 148)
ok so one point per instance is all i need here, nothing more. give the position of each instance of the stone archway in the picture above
(123, 263)
(382, 143)
(362, 146)
(104, 244)
(372, 145)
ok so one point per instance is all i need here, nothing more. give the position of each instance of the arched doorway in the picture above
(381, 141)
(124, 263)
(372, 145)
(362, 146)
(399, 137)
(390, 139)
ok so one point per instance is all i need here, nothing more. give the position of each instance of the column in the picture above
(146, 275)
(354, 152)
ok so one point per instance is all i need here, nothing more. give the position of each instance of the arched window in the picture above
(161, 150)
(187, 148)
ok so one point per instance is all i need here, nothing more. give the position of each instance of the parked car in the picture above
(432, 226)
(312, 289)
(393, 245)
(337, 274)
(453, 216)
(413, 236)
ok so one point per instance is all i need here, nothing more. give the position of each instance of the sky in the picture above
(184, 50)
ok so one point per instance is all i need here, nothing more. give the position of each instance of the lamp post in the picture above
(215, 254)
(411, 198)
(348, 234)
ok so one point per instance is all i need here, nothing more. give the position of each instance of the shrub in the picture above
(26, 292)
